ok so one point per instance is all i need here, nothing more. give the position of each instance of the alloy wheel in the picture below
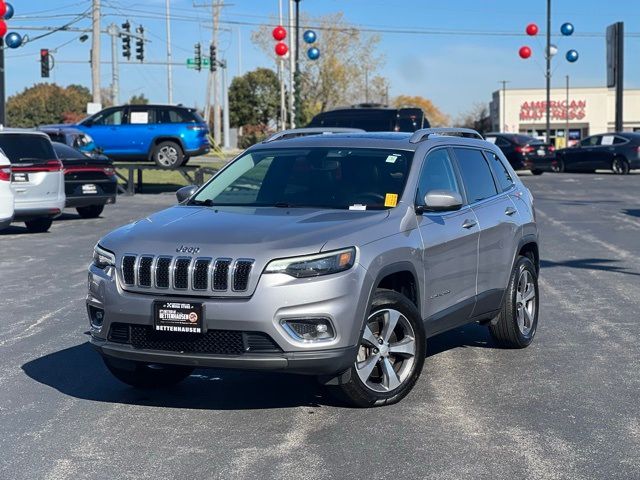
(387, 351)
(168, 156)
(526, 303)
(619, 166)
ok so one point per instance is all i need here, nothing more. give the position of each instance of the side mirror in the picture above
(185, 192)
(440, 201)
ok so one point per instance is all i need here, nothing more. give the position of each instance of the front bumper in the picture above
(276, 298)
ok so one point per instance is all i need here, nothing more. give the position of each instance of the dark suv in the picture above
(373, 117)
(166, 134)
(524, 152)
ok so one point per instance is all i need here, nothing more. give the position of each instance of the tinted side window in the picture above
(476, 175)
(619, 140)
(501, 142)
(591, 141)
(502, 174)
(109, 117)
(437, 174)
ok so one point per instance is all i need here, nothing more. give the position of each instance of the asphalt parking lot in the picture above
(567, 407)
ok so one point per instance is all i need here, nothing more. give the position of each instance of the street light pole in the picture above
(503, 105)
(296, 76)
(169, 67)
(548, 74)
(95, 52)
(292, 67)
(566, 115)
(115, 70)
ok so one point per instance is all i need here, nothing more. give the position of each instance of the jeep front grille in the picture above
(185, 274)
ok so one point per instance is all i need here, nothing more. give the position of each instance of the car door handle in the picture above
(469, 224)
(510, 211)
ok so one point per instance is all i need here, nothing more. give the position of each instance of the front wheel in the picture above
(391, 353)
(146, 375)
(558, 166)
(517, 321)
(90, 211)
(537, 172)
(167, 155)
(38, 225)
(620, 166)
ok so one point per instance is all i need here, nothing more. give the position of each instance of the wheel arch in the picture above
(528, 247)
(400, 277)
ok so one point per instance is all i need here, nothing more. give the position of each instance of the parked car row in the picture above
(39, 178)
(619, 152)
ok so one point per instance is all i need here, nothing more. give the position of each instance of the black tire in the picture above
(558, 167)
(537, 172)
(185, 160)
(620, 166)
(38, 225)
(90, 211)
(167, 155)
(144, 375)
(506, 331)
(353, 390)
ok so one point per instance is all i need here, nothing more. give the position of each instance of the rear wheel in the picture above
(167, 155)
(558, 166)
(391, 353)
(146, 375)
(518, 319)
(620, 166)
(38, 225)
(90, 211)
(537, 172)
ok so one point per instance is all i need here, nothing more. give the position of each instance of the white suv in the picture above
(37, 179)
(6, 194)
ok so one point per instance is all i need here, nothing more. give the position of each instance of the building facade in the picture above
(575, 114)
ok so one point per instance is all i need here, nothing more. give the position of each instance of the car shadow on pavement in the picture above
(601, 264)
(471, 335)
(79, 372)
(634, 212)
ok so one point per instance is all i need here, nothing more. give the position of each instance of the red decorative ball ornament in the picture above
(524, 52)
(3, 8)
(3, 28)
(279, 33)
(281, 49)
(532, 29)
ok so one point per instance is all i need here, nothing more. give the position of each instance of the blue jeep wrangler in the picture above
(166, 134)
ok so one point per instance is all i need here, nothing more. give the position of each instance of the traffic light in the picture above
(140, 44)
(197, 57)
(213, 60)
(44, 63)
(126, 40)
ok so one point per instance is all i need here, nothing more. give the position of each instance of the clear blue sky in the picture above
(454, 71)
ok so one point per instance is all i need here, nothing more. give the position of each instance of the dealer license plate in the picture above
(179, 317)
(89, 189)
(20, 177)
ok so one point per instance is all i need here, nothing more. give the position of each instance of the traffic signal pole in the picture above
(548, 74)
(115, 69)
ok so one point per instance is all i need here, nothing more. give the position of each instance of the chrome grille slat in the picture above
(182, 274)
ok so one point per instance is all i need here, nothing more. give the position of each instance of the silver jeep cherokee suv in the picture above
(332, 255)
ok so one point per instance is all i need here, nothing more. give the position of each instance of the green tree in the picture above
(254, 98)
(139, 100)
(45, 103)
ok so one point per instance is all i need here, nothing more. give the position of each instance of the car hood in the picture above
(234, 232)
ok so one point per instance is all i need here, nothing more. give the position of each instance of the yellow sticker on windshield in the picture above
(390, 199)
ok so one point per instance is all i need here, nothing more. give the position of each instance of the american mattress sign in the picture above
(575, 109)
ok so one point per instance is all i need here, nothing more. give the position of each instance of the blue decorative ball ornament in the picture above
(309, 36)
(572, 56)
(13, 40)
(566, 29)
(9, 12)
(313, 53)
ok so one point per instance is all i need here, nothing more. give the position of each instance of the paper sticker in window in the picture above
(139, 118)
(390, 199)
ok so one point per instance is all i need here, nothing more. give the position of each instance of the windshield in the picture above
(356, 178)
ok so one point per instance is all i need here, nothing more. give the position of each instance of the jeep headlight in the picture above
(314, 265)
(103, 258)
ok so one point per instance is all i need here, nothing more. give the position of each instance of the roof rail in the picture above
(301, 132)
(424, 133)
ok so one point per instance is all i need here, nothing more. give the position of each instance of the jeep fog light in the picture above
(96, 316)
(309, 329)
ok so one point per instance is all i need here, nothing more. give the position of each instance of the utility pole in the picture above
(503, 104)
(566, 115)
(296, 75)
(3, 114)
(225, 106)
(113, 31)
(280, 60)
(619, 76)
(216, 5)
(548, 74)
(95, 52)
(292, 69)
(169, 67)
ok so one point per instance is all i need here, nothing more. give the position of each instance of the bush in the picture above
(252, 134)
